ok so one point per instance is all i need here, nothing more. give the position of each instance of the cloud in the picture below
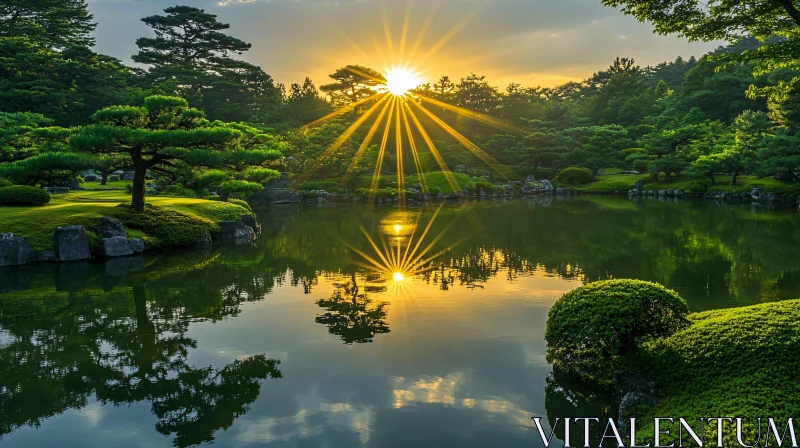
(530, 41)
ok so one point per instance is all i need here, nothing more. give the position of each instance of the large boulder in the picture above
(137, 244)
(538, 187)
(71, 243)
(45, 256)
(236, 232)
(110, 227)
(281, 182)
(15, 250)
(116, 246)
(530, 179)
(250, 221)
(277, 196)
(315, 196)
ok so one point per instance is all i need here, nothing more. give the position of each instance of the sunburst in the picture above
(397, 103)
(405, 248)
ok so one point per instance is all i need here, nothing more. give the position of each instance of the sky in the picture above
(531, 42)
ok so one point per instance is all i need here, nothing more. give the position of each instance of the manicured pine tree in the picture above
(157, 137)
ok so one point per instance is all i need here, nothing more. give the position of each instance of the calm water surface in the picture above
(314, 338)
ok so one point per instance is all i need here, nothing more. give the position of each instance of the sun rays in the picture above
(404, 113)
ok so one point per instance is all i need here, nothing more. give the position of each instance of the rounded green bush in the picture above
(574, 176)
(590, 328)
(5, 183)
(23, 195)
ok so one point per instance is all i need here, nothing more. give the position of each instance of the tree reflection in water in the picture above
(352, 315)
(126, 345)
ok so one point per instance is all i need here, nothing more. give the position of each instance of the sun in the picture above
(398, 276)
(399, 81)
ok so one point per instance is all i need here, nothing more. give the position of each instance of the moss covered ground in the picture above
(740, 362)
(87, 207)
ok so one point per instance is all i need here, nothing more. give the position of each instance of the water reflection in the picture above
(352, 315)
(93, 336)
(173, 348)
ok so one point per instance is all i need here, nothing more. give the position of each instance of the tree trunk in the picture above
(711, 176)
(733, 178)
(145, 331)
(223, 195)
(137, 199)
(104, 178)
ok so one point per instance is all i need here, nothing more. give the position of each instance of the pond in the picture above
(348, 326)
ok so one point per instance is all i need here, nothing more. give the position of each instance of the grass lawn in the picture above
(624, 182)
(86, 208)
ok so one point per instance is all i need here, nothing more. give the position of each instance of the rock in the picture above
(538, 187)
(45, 256)
(461, 168)
(662, 192)
(315, 196)
(250, 221)
(128, 175)
(277, 196)
(110, 227)
(15, 250)
(639, 184)
(137, 244)
(116, 246)
(57, 190)
(756, 193)
(282, 182)
(71, 243)
(530, 179)
(632, 400)
(204, 240)
(236, 232)
(564, 191)
(508, 190)
(650, 192)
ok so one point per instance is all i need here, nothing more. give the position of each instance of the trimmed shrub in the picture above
(483, 186)
(23, 195)
(241, 202)
(734, 362)
(574, 176)
(90, 178)
(113, 178)
(166, 228)
(5, 183)
(590, 328)
(327, 185)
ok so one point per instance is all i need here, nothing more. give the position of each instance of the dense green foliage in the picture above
(22, 195)
(738, 362)
(5, 183)
(574, 176)
(590, 328)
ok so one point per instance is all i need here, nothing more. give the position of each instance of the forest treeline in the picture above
(195, 115)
